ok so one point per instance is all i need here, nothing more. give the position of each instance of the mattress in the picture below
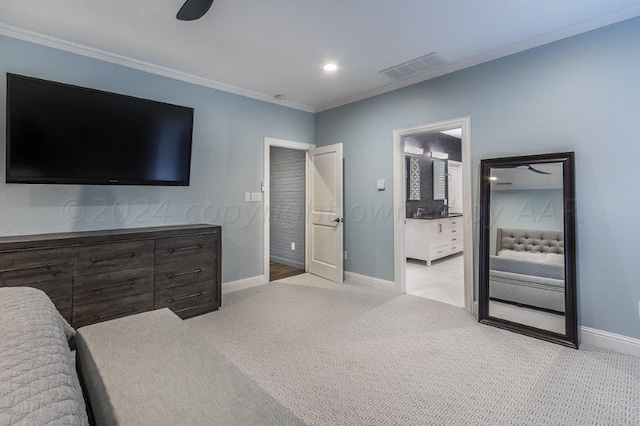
(528, 278)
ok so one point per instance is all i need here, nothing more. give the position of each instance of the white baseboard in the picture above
(244, 283)
(602, 339)
(615, 342)
(353, 278)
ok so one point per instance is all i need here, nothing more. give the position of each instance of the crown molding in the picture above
(102, 55)
(531, 43)
(80, 49)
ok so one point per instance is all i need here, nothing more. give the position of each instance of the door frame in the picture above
(282, 143)
(399, 202)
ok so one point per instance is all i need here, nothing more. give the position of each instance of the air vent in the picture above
(416, 66)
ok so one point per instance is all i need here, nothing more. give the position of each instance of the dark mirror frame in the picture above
(569, 339)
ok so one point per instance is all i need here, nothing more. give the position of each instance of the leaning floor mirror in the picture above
(527, 240)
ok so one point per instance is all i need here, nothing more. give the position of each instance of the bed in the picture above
(528, 269)
(144, 369)
(38, 380)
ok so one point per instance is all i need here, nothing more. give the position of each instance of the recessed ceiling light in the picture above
(330, 67)
(280, 97)
(493, 178)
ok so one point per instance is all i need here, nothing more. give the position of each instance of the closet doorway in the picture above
(285, 190)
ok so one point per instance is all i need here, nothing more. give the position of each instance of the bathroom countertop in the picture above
(434, 216)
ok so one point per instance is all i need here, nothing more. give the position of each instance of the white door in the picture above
(455, 186)
(325, 212)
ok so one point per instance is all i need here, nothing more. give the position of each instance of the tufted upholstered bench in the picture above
(152, 369)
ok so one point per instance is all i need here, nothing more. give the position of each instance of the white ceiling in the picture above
(266, 47)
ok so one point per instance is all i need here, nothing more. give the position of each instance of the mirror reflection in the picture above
(526, 243)
(439, 179)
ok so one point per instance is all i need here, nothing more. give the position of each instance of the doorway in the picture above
(432, 208)
(303, 228)
(285, 203)
(433, 226)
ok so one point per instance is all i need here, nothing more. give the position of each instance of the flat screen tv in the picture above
(62, 134)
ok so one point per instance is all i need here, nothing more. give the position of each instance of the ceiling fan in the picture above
(193, 9)
(526, 167)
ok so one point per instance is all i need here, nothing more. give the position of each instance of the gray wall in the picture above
(228, 143)
(540, 209)
(437, 142)
(287, 206)
(580, 94)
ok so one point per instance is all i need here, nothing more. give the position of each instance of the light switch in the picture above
(256, 196)
(247, 197)
(381, 184)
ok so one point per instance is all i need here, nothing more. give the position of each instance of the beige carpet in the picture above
(345, 354)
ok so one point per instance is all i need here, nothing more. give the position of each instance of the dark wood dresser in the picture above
(101, 275)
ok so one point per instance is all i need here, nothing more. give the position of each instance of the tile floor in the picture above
(442, 281)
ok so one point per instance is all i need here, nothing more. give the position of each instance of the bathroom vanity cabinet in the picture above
(432, 238)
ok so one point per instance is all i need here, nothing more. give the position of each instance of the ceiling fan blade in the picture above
(538, 171)
(193, 9)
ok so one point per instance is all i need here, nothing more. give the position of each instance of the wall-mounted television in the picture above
(63, 134)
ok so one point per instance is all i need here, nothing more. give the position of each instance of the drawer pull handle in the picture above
(440, 251)
(184, 309)
(201, 246)
(453, 231)
(28, 268)
(454, 247)
(179, 284)
(106, 259)
(130, 282)
(190, 296)
(179, 274)
(115, 315)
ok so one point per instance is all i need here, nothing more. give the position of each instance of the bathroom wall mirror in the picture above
(439, 179)
(527, 251)
(413, 177)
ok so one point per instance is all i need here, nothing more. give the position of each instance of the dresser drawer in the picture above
(32, 266)
(169, 296)
(101, 258)
(66, 314)
(181, 274)
(184, 305)
(112, 285)
(111, 309)
(59, 291)
(189, 247)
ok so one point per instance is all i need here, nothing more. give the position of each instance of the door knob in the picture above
(337, 220)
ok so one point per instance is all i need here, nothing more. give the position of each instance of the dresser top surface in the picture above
(101, 236)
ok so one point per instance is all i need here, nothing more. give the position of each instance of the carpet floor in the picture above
(347, 355)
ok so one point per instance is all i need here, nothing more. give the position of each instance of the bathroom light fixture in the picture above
(439, 155)
(413, 150)
(330, 67)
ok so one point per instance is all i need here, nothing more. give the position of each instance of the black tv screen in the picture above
(62, 134)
